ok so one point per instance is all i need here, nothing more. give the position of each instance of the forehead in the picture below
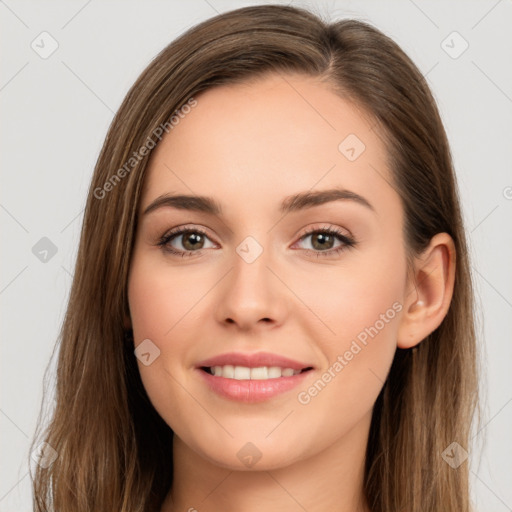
(256, 142)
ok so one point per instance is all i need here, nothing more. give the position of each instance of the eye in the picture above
(323, 241)
(191, 239)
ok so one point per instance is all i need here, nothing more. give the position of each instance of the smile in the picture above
(251, 384)
(245, 373)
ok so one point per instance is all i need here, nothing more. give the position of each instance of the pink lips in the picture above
(253, 360)
(252, 391)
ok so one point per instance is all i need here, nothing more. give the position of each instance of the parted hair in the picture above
(114, 452)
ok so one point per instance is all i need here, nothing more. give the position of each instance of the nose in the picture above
(252, 296)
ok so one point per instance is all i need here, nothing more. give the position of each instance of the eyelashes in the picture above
(331, 232)
(177, 232)
(328, 234)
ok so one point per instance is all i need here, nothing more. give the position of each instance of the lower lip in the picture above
(252, 391)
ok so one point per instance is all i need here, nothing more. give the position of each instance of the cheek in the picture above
(152, 307)
(160, 297)
(357, 361)
(155, 310)
(360, 311)
(158, 303)
(344, 300)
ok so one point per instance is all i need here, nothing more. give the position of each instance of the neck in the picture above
(329, 480)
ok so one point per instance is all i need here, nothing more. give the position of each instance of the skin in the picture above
(249, 146)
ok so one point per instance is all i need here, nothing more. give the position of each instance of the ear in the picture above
(429, 291)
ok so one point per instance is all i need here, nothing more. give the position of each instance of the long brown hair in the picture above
(114, 452)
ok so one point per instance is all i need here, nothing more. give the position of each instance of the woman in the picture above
(272, 304)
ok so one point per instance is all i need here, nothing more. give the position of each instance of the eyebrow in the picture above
(291, 203)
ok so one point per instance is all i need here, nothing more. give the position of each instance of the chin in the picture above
(242, 454)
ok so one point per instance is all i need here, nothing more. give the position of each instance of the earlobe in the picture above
(428, 297)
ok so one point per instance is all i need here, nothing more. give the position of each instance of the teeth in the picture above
(274, 372)
(228, 371)
(245, 373)
(260, 373)
(241, 372)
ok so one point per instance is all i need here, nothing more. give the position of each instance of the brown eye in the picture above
(192, 240)
(183, 241)
(323, 241)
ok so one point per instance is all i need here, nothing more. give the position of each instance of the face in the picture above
(318, 279)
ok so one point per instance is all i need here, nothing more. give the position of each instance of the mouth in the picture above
(252, 385)
(252, 378)
(255, 373)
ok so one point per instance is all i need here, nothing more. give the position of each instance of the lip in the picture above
(247, 390)
(254, 360)
(251, 391)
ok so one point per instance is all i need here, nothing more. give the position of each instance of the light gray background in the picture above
(55, 113)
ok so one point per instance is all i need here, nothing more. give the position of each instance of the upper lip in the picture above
(253, 360)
